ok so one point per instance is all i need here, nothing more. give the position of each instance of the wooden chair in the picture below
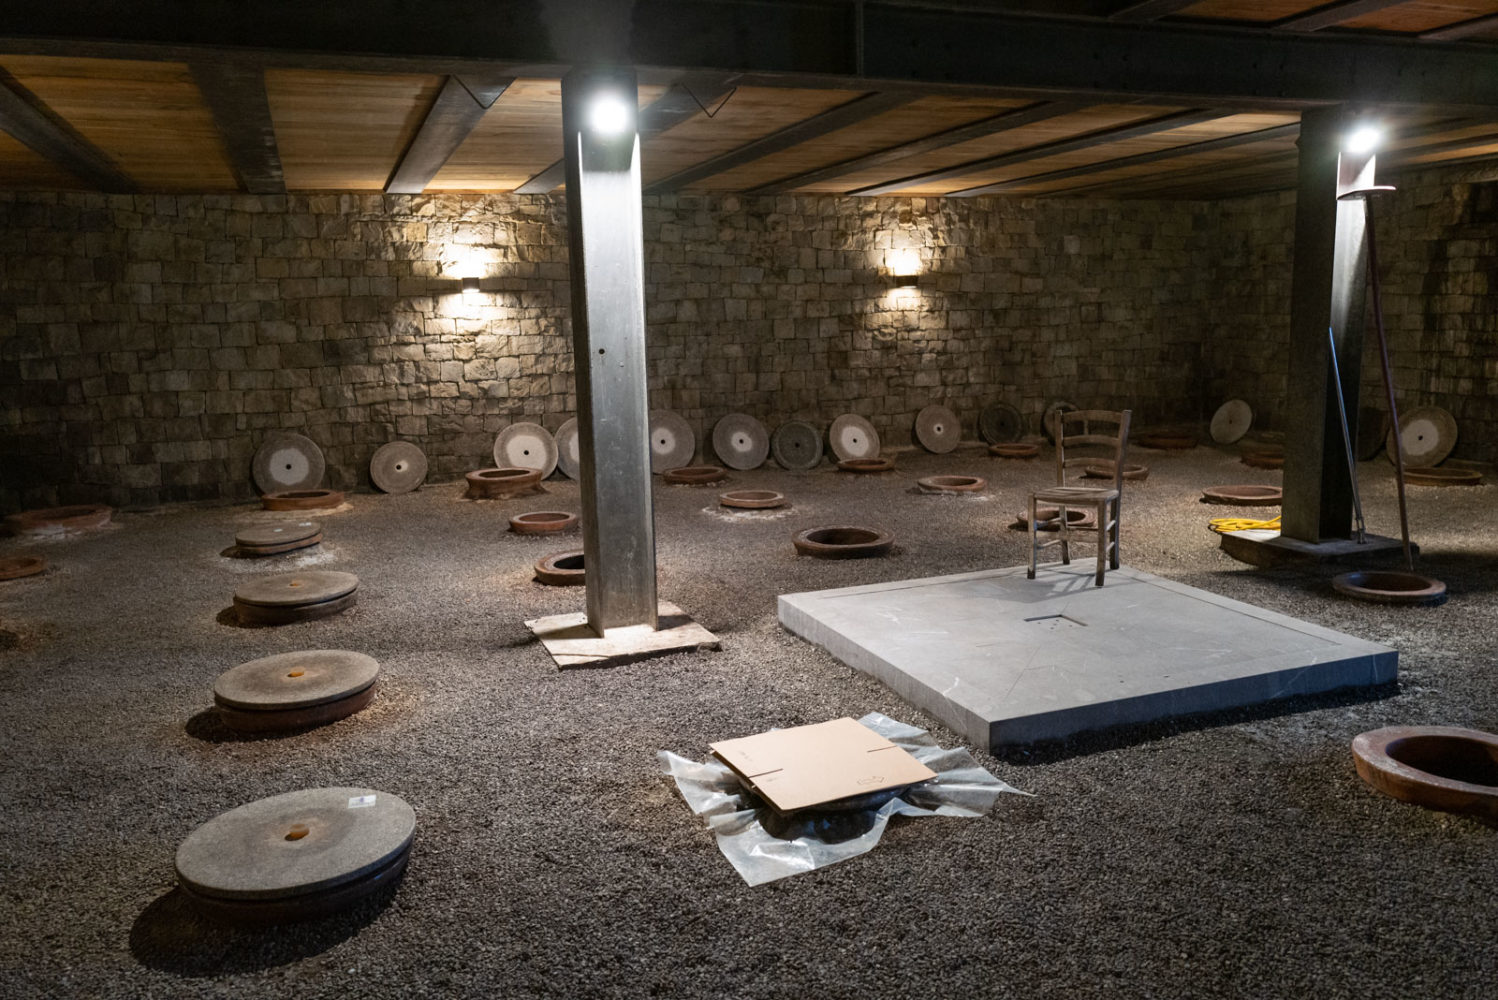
(1104, 501)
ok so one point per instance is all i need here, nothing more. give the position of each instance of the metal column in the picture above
(606, 245)
(1328, 290)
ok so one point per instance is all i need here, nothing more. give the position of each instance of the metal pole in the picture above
(1352, 468)
(607, 260)
(1383, 354)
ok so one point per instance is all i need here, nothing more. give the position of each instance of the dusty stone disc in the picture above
(15, 567)
(851, 436)
(1373, 430)
(1048, 418)
(1390, 587)
(741, 442)
(301, 500)
(398, 467)
(262, 535)
(1231, 421)
(1103, 469)
(937, 429)
(672, 443)
(295, 680)
(1016, 449)
(542, 522)
(866, 464)
(51, 520)
(275, 550)
(256, 614)
(843, 542)
(952, 484)
(1428, 434)
(695, 475)
(526, 446)
(295, 590)
(1248, 495)
(287, 462)
(1443, 477)
(295, 846)
(752, 499)
(561, 569)
(999, 423)
(569, 454)
(797, 445)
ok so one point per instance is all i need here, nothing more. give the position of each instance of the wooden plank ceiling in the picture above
(114, 124)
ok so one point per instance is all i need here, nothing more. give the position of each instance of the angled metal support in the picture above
(607, 259)
(459, 107)
(992, 125)
(1460, 30)
(33, 124)
(235, 94)
(684, 99)
(1328, 289)
(1155, 156)
(1086, 141)
(842, 116)
(1150, 10)
(1333, 14)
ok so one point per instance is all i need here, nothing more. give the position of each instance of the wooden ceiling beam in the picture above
(1154, 156)
(459, 107)
(1333, 14)
(992, 125)
(235, 94)
(1085, 141)
(30, 122)
(850, 113)
(682, 100)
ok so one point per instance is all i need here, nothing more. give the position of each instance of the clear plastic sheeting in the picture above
(763, 845)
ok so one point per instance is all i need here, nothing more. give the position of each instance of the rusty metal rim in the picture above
(1390, 587)
(752, 499)
(1377, 756)
(871, 542)
(1048, 518)
(1442, 477)
(866, 464)
(542, 522)
(15, 567)
(301, 499)
(1165, 440)
(73, 517)
(1014, 450)
(1244, 495)
(952, 484)
(695, 475)
(550, 571)
(1104, 470)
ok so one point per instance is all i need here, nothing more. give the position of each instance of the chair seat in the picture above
(1075, 494)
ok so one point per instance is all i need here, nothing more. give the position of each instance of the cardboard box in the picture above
(814, 765)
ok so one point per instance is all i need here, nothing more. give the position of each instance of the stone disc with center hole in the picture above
(1000, 423)
(526, 446)
(398, 467)
(15, 567)
(672, 443)
(569, 454)
(295, 845)
(937, 429)
(257, 536)
(290, 590)
(797, 446)
(1049, 417)
(1427, 433)
(295, 680)
(287, 462)
(1244, 496)
(851, 436)
(741, 441)
(1231, 421)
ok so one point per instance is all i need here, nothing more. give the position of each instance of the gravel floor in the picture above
(1233, 855)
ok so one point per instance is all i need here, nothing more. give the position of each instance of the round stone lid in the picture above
(294, 589)
(259, 535)
(295, 843)
(295, 680)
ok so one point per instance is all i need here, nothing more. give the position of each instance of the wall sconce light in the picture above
(470, 285)
(904, 280)
(904, 267)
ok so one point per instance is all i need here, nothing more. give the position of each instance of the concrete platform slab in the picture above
(572, 643)
(1005, 660)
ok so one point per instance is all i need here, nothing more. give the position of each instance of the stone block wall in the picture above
(148, 344)
(1438, 253)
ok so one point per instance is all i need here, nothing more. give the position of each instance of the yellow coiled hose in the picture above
(1223, 525)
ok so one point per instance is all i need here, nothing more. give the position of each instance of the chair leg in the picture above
(1113, 541)
(1102, 540)
(1061, 519)
(1034, 538)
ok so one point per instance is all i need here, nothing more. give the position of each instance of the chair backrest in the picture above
(1078, 428)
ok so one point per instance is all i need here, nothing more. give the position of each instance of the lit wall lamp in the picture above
(904, 268)
(470, 285)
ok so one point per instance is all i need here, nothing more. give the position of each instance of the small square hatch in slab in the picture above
(813, 765)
